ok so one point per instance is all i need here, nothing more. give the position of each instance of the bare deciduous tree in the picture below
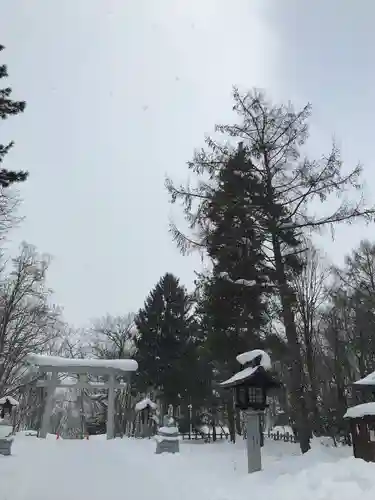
(311, 293)
(27, 321)
(114, 336)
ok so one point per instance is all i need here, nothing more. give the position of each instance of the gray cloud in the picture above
(121, 92)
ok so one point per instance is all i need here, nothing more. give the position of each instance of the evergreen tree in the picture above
(165, 342)
(8, 107)
(272, 137)
(233, 306)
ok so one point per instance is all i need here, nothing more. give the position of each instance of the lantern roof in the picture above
(256, 371)
(255, 376)
(239, 377)
(9, 400)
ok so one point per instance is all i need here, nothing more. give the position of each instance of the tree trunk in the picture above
(317, 427)
(238, 422)
(214, 437)
(231, 421)
(261, 427)
(297, 393)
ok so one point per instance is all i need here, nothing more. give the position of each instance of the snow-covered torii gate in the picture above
(54, 365)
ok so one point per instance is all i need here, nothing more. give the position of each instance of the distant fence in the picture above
(280, 436)
(207, 438)
(202, 436)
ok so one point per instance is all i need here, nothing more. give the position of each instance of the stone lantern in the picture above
(251, 386)
(167, 438)
(7, 406)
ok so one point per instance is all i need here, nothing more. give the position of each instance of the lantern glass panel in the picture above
(242, 397)
(256, 395)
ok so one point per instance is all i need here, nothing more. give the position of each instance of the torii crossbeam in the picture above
(54, 365)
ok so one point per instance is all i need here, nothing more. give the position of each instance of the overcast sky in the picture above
(120, 92)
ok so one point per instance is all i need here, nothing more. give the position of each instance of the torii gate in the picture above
(53, 365)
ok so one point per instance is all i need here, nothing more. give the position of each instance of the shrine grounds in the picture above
(129, 468)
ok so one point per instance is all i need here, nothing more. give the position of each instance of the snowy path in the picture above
(96, 469)
(104, 470)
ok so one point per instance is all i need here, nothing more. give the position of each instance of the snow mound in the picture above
(97, 468)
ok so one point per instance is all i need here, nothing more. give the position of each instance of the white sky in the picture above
(120, 92)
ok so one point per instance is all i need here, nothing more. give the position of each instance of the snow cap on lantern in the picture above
(253, 382)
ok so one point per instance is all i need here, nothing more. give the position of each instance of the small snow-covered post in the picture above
(251, 385)
(190, 408)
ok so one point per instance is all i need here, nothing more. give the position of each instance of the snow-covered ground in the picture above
(127, 468)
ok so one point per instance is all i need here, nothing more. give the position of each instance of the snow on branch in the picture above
(145, 403)
(240, 281)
